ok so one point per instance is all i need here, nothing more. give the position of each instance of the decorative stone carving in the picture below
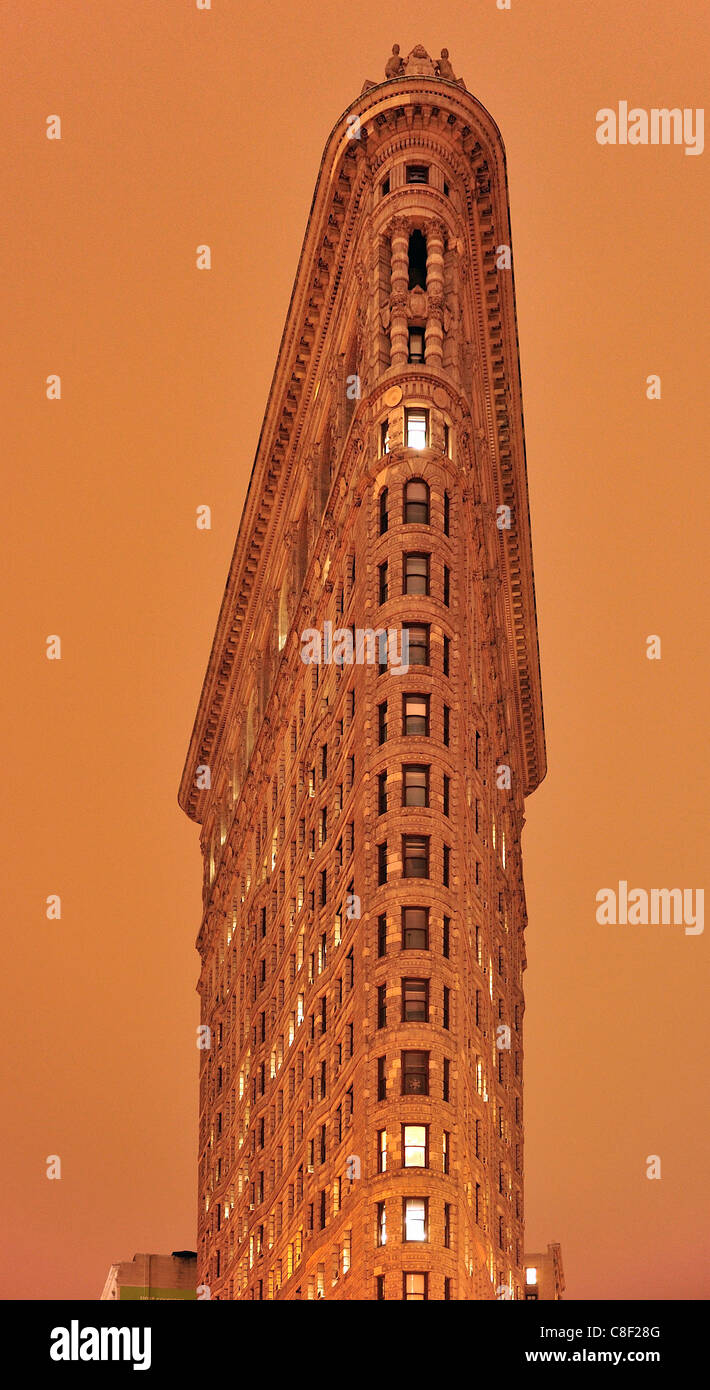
(394, 67)
(444, 68)
(419, 64)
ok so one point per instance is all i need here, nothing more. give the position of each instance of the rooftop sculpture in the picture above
(419, 64)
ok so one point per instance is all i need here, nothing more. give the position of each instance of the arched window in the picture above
(417, 260)
(416, 502)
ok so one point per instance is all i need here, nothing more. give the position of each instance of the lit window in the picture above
(382, 1151)
(381, 1224)
(415, 1218)
(414, 1146)
(415, 1287)
(531, 1275)
(417, 429)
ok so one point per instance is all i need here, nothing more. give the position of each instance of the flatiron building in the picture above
(369, 726)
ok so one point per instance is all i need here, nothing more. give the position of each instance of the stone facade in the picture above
(362, 939)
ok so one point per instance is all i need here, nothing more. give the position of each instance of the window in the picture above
(417, 265)
(415, 1287)
(417, 636)
(415, 1001)
(382, 1150)
(447, 725)
(447, 795)
(417, 173)
(416, 500)
(415, 716)
(381, 1078)
(414, 1211)
(447, 514)
(446, 1012)
(379, 1287)
(417, 422)
(447, 586)
(382, 934)
(415, 1146)
(382, 862)
(446, 942)
(415, 577)
(447, 1281)
(447, 655)
(383, 584)
(384, 449)
(447, 866)
(447, 1225)
(381, 793)
(382, 722)
(415, 929)
(415, 856)
(416, 344)
(384, 513)
(415, 786)
(382, 1006)
(381, 1224)
(445, 1150)
(415, 1073)
(446, 1089)
(385, 187)
(447, 441)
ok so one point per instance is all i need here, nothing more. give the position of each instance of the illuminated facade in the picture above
(362, 945)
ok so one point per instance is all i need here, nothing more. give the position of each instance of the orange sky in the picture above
(181, 127)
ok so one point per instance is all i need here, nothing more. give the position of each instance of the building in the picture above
(154, 1277)
(361, 803)
(544, 1277)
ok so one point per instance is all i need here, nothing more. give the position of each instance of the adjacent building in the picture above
(544, 1276)
(369, 726)
(153, 1277)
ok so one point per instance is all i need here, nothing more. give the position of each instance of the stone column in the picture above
(399, 336)
(434, 344)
